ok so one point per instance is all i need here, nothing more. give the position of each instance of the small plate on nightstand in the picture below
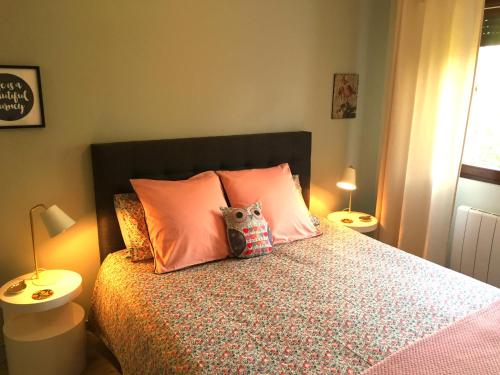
(365, 218)
(16, 288)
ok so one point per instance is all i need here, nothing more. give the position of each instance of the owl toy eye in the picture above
(239, 216)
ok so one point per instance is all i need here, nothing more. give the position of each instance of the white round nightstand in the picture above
(44, 336)
(357, 224)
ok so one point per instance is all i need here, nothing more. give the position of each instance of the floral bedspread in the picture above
(334, 304)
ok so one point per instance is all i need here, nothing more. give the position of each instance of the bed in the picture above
(337, 303)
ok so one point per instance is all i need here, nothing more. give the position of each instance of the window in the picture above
(481, 159)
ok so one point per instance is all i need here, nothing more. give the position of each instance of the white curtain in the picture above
(434, 55)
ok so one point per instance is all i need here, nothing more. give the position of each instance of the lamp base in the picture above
(45, 277)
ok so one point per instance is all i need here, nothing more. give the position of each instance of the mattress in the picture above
(337, 303)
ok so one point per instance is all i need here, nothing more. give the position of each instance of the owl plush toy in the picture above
(248, 232)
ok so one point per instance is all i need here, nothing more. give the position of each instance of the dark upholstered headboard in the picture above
(114, 164)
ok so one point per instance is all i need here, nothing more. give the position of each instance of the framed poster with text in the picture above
(21, 104)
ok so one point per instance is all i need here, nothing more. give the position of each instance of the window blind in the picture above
(491, 24)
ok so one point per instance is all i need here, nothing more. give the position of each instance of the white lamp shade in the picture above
(348, 181)
(56, 220)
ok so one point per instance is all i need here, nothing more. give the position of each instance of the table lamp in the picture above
(56, 221)
(348, 182)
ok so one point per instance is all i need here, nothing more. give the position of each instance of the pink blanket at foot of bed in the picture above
(470, 346)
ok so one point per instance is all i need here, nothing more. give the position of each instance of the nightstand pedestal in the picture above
(45, 336)
(49, 342)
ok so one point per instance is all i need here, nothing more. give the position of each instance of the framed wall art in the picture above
(345, 95)
(21, 104)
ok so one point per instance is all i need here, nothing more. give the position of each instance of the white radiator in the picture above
(475, 248)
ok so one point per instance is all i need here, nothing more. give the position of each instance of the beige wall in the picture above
(130, 70)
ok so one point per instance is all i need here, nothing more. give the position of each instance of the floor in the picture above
(99, 359)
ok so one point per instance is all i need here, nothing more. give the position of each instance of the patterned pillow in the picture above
(132, 221)
(296, 181)
(298, 189)
(248, 232)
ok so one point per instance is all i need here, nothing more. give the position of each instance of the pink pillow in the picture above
(274, 187)
(184, 221)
